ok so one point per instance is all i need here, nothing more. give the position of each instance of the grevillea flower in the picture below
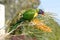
(41, 25)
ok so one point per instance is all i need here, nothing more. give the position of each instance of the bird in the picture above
(27, 15)
(32, 13)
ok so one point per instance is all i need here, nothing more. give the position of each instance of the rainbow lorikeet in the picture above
(32, 13)
(27, 15)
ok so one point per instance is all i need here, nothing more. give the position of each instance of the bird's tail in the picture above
(15, 26)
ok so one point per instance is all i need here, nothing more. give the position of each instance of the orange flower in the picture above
(44, 28)
(41, 25)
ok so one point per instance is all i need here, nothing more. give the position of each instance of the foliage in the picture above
(28, 29)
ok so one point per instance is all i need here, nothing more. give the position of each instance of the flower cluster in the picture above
(41, 25)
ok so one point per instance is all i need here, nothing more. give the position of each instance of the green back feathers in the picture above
(28, 15)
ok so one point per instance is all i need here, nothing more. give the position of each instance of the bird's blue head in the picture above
(41, 12)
